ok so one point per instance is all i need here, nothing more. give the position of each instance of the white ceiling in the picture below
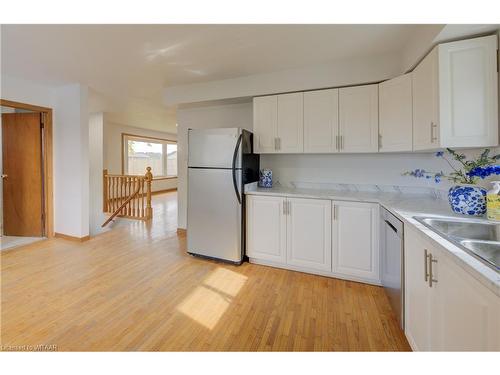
(134, 63)
(140, 60)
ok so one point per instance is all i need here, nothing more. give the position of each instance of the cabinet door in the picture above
(417, 304)
(266, 228)
(358, 119)
(309, 227)
(355, 240)
(265, 123)
(465, 314)
(468, 93)
(291, 123)
(425, 103)
(396, 115)
(321, 121)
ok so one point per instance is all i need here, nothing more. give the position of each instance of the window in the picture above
(142, 152)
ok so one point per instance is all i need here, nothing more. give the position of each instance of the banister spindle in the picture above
(149, 179)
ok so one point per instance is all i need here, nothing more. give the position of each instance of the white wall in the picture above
(225, 116)
(96, 152)
(339, 73)
(113, 149)
(71, 161)
(70, 145)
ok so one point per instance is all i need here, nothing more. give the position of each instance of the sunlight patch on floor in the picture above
(209, 301)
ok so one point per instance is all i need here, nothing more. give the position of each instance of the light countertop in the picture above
(405, 207)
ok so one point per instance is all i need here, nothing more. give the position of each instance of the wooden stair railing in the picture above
(127, 196)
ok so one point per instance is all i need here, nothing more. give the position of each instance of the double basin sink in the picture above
(479, 238)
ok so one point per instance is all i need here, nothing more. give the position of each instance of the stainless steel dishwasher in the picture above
(392, 261)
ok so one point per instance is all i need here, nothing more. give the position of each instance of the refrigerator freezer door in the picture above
(213, 148)
(214, 214)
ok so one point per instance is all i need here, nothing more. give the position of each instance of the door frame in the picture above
(48, 181)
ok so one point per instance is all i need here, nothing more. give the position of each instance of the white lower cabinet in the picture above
(309, 233)
(266, 228)
(302, 238)
(417, 293)
(355, 240)
(456, 313)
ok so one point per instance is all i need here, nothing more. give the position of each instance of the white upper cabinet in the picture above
(321, 120)
(455, 96)
(449, 100)
(355, 243)
(265, 123)
(290, 123)
(468, 93)
(425, 103)
(309, 233)
(395, 114)
(278, 123)
(358, 118)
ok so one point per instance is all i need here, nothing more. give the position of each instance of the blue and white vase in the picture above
(467, 200)
(266, 178)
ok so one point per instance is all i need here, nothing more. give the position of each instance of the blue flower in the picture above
(418, 173)
(484, 172)
(440, 154)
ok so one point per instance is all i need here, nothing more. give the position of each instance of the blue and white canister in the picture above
(266, 178)
(467, 200)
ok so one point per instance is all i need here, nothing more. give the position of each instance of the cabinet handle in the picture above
(334, 212)
(341, 142)
(433, 126)
(286, 208)
(431, 276)
(279, 143)
(379, 141)
(289, 210)
(275, 143)
(426, 272)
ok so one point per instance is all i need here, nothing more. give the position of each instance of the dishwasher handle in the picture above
(391, 226)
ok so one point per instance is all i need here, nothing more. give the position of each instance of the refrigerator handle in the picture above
(235, 155)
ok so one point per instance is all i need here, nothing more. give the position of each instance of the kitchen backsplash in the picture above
(360, 172)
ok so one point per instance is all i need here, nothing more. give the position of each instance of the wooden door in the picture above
(309, 233)
(265, 123)
(358, 119)
(321, 121)
(395, 115)
(22, 163)
(355, 240)
(426, 103)
(291, 123)
(417, 293)
(266, 228)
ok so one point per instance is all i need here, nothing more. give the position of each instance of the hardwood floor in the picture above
(135, 288)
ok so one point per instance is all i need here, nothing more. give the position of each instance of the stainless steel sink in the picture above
(464, 229)
(481, 239)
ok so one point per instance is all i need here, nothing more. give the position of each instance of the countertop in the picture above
(405, 207)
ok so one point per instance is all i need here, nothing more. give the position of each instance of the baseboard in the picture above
(314, 271)
(71, 238)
